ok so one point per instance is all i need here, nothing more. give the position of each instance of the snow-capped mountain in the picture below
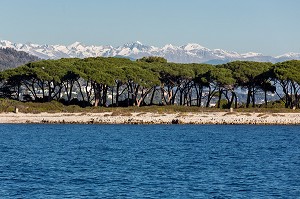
(190, 53)
(288, 56)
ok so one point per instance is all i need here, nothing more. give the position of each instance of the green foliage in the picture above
(288, 75)
(152, 59)
(247, 72)
(223, 76)
(288, 70)
(224, 104)
(139, 77)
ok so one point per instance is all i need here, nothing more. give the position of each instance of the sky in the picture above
(270, 27)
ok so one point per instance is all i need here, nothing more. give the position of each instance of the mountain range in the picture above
(189, 53)
(10, 58)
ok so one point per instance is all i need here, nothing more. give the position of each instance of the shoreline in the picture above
(225, 118)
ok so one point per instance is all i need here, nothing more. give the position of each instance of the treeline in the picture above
(150, 80)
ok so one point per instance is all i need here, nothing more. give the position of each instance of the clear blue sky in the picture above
(267, 26)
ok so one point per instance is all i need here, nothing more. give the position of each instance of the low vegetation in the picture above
(8, 105)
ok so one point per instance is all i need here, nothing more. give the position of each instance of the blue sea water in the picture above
(149, 161)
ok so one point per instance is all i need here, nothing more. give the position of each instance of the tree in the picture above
(288, 76)
(140, 82)
(201, 80)
(222, 79)
(130, 83)
(152, 59)
(248, 76)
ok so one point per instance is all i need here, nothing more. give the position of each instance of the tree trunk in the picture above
(200, 95)
(208, 97)
(43, 91)
(88, 94)
(70, 92)
(253, 98)
(248, 97)
(162, 93)
(231, 100)
(173, 99)
(112, 96)
(33, 90)
(104, 95)
(50, 91)
(143, 96)
(28, 87)
(170, 95)
(57, 95)
(180, 99)
(18, 91)
(233, 97)
(220, 96)
(190, 99)
(266, 100)
(80, 90)
(117, 95)
(226, 96)
(152, 96)
(128, 95)
(97, 92)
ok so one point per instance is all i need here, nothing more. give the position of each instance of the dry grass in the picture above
(140, 114)
(119, 113)
(230, 113)
(246, 114)
(261, 115)
(182, 114)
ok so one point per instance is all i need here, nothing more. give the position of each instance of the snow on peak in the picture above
(138, 46)
(224, 53)
(289, 55)
(138, 42)
(169, 47)
(75, 44)
(193, 46)
(251, 54)
(190, 53)
(6, 44)
(3, 41)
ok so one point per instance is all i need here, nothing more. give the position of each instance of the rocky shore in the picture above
(154, 118)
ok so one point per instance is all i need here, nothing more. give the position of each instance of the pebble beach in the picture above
(153, 118)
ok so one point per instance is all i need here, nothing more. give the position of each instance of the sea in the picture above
(149, 161)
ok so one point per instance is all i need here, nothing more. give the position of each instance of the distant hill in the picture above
(10, 58)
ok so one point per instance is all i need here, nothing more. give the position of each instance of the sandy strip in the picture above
(153, 118)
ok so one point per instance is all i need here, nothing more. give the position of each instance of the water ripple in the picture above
(158, 161)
